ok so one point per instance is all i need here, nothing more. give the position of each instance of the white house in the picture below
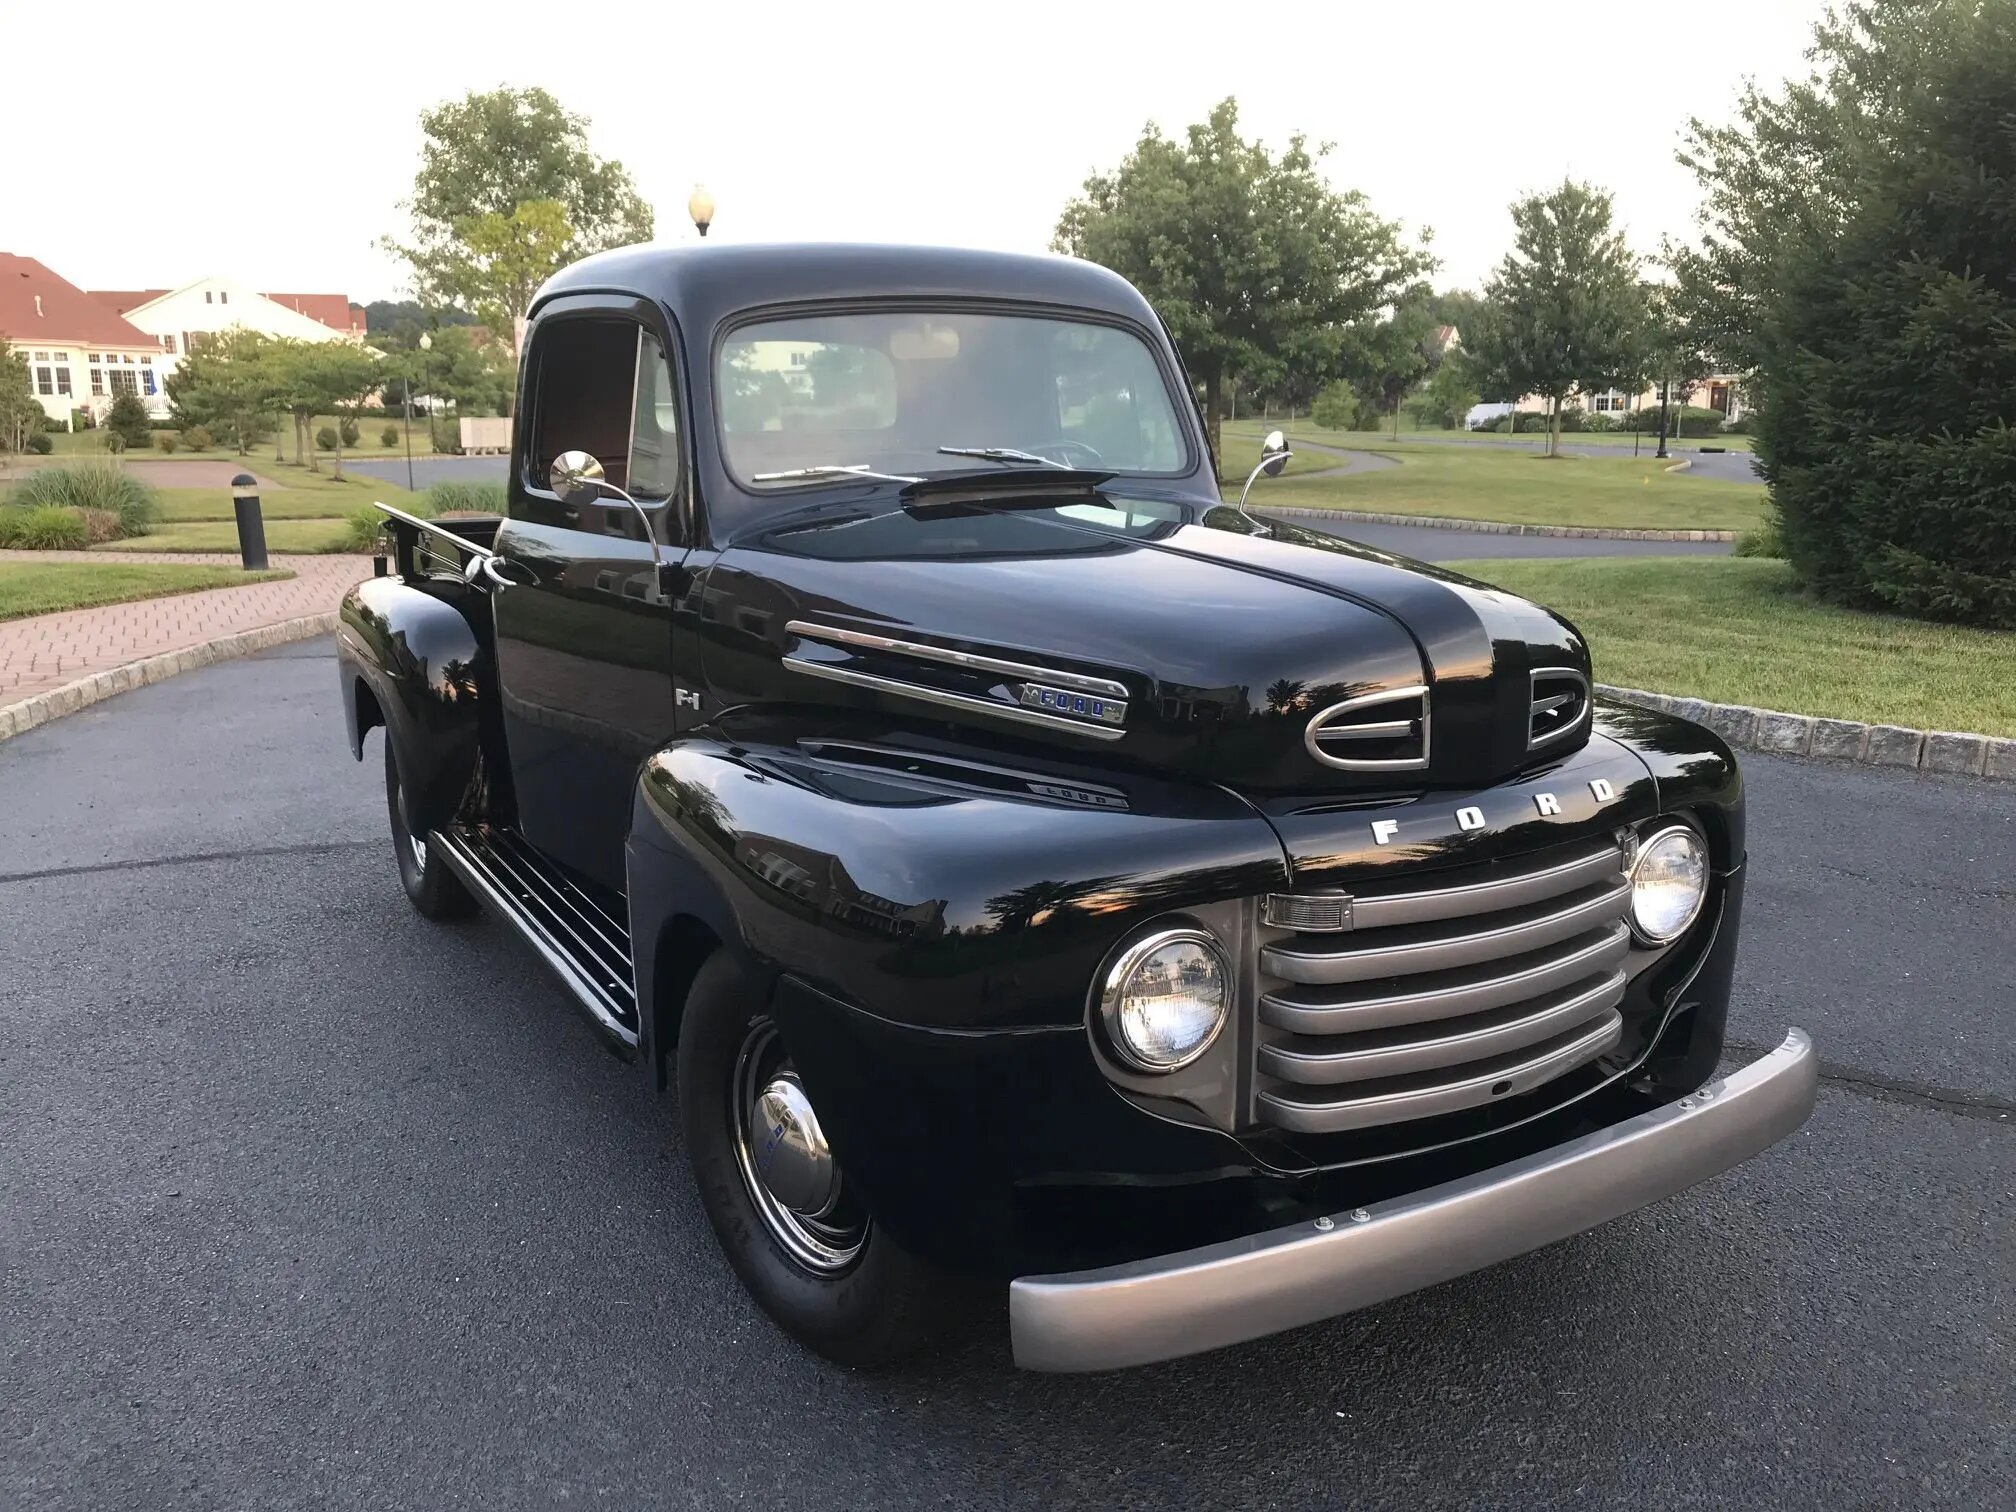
(180, 318)
(80, 354)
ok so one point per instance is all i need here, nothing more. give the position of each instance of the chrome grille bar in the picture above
(1476, 985)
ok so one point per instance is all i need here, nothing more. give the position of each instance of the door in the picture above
(584, 632)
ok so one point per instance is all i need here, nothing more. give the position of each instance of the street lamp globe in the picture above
(700, 205)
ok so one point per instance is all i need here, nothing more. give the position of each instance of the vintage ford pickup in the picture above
(1031, 869)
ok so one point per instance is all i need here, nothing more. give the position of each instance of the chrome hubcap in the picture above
(787, 1166)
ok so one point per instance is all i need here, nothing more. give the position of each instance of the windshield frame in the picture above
(768, 496)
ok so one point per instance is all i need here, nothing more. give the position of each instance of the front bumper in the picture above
(1194, 1300)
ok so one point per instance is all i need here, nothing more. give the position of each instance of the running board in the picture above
(579, 940)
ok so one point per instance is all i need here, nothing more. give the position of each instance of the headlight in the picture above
(1669, 880)
(1165, 998)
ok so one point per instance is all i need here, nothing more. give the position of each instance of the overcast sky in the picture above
(273, 143)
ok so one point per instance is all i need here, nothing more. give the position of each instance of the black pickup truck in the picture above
(1031, 869)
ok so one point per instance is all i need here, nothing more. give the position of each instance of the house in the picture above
(182, 318)
(1718, 391)
(81, 354)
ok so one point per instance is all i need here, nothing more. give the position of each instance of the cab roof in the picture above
(705, 285)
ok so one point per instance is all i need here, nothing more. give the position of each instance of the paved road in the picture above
(1727, 466)
(306, 1202)
(427, 471)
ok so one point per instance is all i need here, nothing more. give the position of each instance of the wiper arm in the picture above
(1002, 454)
(859, 470)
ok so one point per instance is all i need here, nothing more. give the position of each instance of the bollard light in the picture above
(251, 526)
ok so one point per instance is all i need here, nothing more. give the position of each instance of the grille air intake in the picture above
(1480, 986)
(1560, 705)
(1376, 732)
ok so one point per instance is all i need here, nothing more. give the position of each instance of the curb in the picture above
(1496, 527)
(1946, 753)
(20, 718)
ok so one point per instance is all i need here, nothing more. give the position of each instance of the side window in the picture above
(654, 424)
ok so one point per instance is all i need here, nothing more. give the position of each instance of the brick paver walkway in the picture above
(48, 650)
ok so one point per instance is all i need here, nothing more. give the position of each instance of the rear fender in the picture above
(418, 655)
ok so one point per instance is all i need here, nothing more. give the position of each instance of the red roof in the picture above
(333, 310)
(123, 300)
(66, 312)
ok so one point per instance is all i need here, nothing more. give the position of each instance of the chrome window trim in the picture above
(969, 661)
(1534, 742)
(1311, 743)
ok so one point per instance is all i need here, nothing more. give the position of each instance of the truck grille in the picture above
(1433, 999)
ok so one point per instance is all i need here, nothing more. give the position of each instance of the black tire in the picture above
(879, 1306)
(437, 892)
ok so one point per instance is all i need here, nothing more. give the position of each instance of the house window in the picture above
(223, 296)
(168, 345)
(97, 380)
(147, 382)
(94, 356)
(63, 380)
(206, 296)
(41, 356)
(124, 382)
(45, 381)
(1608, 403)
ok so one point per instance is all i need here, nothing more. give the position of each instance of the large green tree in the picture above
(1564, 312)
(231, 385)
(1858, 256)
(20, 410)
(485, 158)
(1255, 262)
(1385, 359)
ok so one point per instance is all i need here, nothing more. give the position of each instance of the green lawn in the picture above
(1732, 630)
(1649, 440)
(306, 498)
(91, 443)
(306, 536)
(45, 587)
(1517, 486)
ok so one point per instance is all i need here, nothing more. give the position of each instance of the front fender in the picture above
(417, 651)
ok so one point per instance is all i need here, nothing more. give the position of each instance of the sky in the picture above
(273, 143)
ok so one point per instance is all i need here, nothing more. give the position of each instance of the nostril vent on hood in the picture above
(1560, 705)
(1376, 732)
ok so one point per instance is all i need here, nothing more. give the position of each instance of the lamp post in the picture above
(700, 205)
(1665, 389)
(426, 344)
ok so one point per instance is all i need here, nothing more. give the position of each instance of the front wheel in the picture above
(437, 892)
(796, 1234)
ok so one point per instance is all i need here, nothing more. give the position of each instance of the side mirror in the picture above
(1274, 454)
(577, 477)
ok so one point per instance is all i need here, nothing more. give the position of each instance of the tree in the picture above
(484, 158)
(20, 410)
(1564, 311)
(498, 262)
(1385, 359)
(1856, 256)
(338, 378)
(129, 421)
(476, 375)
(229, 385)
(1253, 261)
(1451, 392)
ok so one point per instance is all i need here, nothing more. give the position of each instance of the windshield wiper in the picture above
(1002, 454)
(859, 470)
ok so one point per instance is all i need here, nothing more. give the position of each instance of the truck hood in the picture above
(1174, 634)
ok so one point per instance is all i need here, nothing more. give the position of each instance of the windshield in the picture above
(925, 393)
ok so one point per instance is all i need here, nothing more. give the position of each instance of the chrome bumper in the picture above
(1171, 1305)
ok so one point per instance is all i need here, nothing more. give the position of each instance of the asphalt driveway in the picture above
(306, 1202)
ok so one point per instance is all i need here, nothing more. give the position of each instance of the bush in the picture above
(1767, 540)
(100, 525)
(366, 521)
(325, 439)
(167, 440)
(1341, 407)
(42, 527)
(129, 421)
(445, 436)
(348, 431)
(40, 444)
(92, 486)
(466, 498)
(1599, 422)
(1681, 420)
(114, 442)
(198, 438)
(389, 437)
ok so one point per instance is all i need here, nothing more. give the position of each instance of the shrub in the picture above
(1681, 420)
(114, 442)
(1599, 422)
(389, 436)
(42, 527)
(348, 431)
(1765, 541)
(93, 486)
(129, 421)
(100, 525)
(325, 439)
(40, 444)
(466, 498)
(445, 436)
(167, 440)
(198, 438)
(366, 521)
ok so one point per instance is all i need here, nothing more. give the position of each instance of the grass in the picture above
(46, 587)
(307, 498)
(305, 536)
(91, 443)
(1517, 486)
(1307, 427)
(1734, 630)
